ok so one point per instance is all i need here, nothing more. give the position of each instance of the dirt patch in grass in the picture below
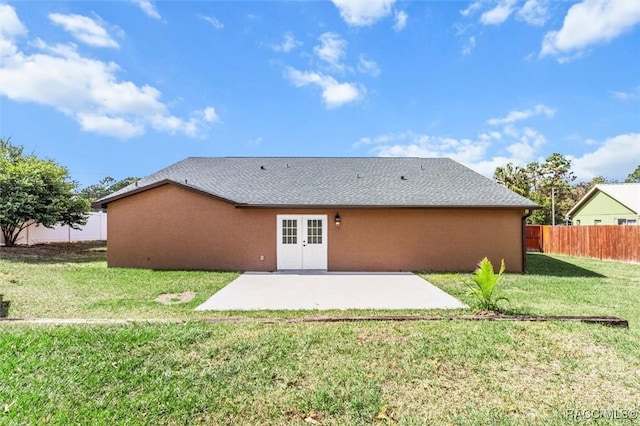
(174, 298)
(56, 252)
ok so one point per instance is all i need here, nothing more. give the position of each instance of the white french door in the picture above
(302, 241)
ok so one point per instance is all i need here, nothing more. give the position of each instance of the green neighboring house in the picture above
(610, 204)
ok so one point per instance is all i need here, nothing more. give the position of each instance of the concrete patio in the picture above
(329, 290)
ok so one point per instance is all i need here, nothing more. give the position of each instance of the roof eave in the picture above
(589, 195)
(385, 206)
(102, 203)
(582, 201)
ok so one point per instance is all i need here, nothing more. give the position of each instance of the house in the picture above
(336, 214)
(610, 204)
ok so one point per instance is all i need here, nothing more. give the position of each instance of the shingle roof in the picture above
(627, 194)
(366, 182)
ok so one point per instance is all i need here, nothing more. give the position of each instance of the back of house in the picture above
(336, 214)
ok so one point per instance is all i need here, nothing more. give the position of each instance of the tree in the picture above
(554, 190)
(547, 184)
(38, 191)
(634, 177)
(105, 187)
(513, 177)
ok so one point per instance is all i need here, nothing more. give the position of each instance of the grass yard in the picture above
(73, 281)
(407, 373)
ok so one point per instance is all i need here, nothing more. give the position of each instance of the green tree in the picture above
(105, 187)
(513, 177)
(554, 189)
(33, 190)
(547, 184)
(634, 177)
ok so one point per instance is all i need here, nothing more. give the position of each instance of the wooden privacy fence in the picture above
(607, 242)
(533, 235)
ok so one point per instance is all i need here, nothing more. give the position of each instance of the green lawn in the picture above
(408, 373)
(73, 281)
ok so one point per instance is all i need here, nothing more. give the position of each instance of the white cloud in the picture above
(627, 96)
(614, 158)
(148, 8)
(465, 151)
(516, 115)
(288, 44)
(410, 144)
(84, 29)
(469, 46)
(527, 144)
(7, 47)
(400, 20)
(334, 93)
(11, 28)
(331, 50)
(209, 114)
(590, 22)
(110, 126)
(472, 8)
(534, 12)
(11, 24)
(473, 153)
(361, 13)
(215, 23)
(368, 66)
(520, 146)
(90, 91)
(498, 14)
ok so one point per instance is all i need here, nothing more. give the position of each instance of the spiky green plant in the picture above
(484, 283)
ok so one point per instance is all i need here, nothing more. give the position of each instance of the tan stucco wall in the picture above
(170, 227)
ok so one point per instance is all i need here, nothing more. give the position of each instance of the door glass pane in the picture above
(314, 231)
(289, 231)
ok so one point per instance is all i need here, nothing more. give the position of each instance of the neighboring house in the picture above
(336, 214)
(610, 204)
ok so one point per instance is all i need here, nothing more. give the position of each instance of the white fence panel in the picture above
(95, 229)
(35, 234)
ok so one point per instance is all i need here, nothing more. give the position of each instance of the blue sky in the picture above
(126, 88)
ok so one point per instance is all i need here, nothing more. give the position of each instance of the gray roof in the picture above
(356, 182)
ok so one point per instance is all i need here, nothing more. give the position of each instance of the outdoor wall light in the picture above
(337, 218)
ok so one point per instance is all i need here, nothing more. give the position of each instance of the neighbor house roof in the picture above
(627, 194)
(312, 182)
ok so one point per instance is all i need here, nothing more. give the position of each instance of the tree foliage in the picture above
(634, 176)
(105, 187)
(38, 191)
(543, 183)
(515, 178)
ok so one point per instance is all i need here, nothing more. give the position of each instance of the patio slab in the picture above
(329, 290)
